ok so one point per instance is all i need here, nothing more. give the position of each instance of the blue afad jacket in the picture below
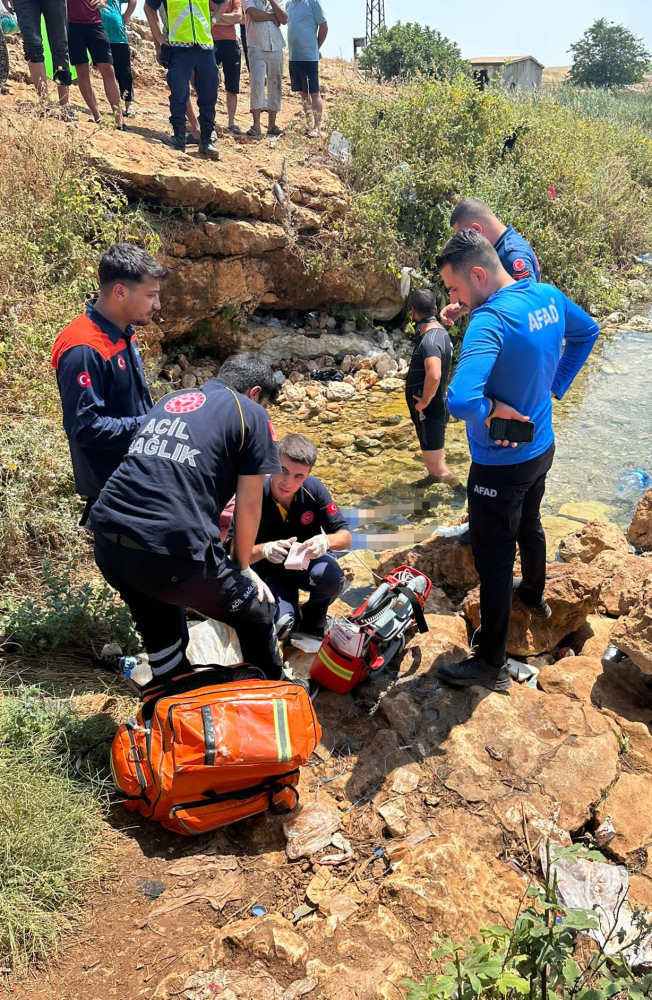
(512, 352)
(104, 395)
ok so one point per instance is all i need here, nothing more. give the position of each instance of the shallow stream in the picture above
(603, 427)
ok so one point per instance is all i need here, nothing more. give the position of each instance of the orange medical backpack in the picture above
(197, 758)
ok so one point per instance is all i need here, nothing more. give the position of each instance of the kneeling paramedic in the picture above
(512, 366)
(298, 507)
(156, 523)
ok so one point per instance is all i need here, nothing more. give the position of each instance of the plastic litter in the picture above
(302, 911)
(605, 832)
(150, 887)
(646, 258)
(631, 483)
(612, 655)
(339, 147)
(212, 642)
(522, 672)
(327, 375)
(310, 828)
(258, 911)
(452, 530)
(306, 643)
(593, 885)
(378, 852)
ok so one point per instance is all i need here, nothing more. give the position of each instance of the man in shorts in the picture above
(227, 54)
(425, 388)
(86, 35)
(28, 14)
(307, 30)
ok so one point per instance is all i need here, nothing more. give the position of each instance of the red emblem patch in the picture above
(122, 364)
(185, 403)
(332, 508)
(519, 265)
(271, 430)
(84, 380)
(307, 517)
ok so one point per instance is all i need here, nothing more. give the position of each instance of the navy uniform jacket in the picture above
(517, 256)
(312, 509)
(104, 395)
(182, 469)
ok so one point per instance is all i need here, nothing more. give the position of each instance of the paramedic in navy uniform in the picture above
(514, 252)
(298, 507)
(104, 395)
(512, 366)
(156, 522)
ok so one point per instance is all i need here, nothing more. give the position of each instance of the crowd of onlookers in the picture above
(194, 39)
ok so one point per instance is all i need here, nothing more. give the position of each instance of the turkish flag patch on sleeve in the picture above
(271, 430)
(332, 508)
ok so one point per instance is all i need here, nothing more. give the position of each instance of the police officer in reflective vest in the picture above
(187, 48)
(156, 523)
(104, 395)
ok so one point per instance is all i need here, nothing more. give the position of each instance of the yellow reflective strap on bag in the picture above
(282, 729)
(335, 667)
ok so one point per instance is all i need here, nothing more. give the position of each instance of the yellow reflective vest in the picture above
(189, 23)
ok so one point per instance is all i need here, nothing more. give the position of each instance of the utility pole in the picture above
(375, 18)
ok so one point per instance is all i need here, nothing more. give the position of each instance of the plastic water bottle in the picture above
(134, 669)
(632, 483)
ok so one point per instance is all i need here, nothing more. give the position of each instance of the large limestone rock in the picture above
(448, 885)
(572, 676)
(623, 579)
(246, 257)
(444, 560)
(572, 591)
(548, 753)
(629, 804)
(633, 634)
(591, 638)
(639, 532)
(596, 536)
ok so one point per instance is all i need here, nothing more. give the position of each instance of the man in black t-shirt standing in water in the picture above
(425, 388)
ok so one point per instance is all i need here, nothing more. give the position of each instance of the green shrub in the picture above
(536, 956)
(66, 613)
(618, 107)
(417, 150)
(409, 50)
(51, 823)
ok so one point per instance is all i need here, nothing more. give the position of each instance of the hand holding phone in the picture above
(511, 431)
(508, 414)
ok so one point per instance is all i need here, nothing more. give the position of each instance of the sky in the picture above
(544, 29)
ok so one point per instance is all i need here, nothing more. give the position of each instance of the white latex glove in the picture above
(276, 552)
(315, 547)
(264, 593)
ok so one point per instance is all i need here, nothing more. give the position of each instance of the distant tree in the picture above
(607, 55)
(406, 50)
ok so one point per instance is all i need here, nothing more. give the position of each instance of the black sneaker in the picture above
(474, 671)
(538, 609)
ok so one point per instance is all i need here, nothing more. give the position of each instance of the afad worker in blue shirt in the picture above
(514, 252)
(512, 365)
(156, 522)
(297, 507)
(104, 395)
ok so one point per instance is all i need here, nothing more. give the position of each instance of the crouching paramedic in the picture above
(104, 395)
(298, 507)
(156, 523)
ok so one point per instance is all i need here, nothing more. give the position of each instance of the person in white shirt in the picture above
(265, 44)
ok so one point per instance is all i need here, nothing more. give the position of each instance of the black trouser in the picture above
(243, 41)
(157, 588)
(122, 65)
(55, 13)
(504, 502)
(4, 59)
(182, 62)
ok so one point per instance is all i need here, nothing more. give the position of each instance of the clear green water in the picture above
(603, 426)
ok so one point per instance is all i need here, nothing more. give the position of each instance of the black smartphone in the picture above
(519, 431)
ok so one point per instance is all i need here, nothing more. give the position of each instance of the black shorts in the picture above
(431, 425)
(88, 38)
(227, 55)
(304, 77)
